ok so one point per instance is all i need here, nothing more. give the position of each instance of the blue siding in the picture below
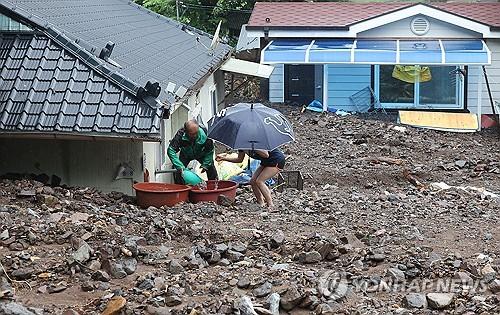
(344, 81)
(276, 88)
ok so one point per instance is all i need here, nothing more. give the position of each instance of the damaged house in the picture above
(92, 91)
(409, 56)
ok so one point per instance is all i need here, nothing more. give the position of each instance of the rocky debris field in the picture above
(391, 220)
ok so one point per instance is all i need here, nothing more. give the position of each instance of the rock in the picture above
(377, 257)
(114, 306)
(151, 310)
(245, 306)
(221, 248)
(224, 262)
(324, 309)
(87, 286)
(464, 278)
(6, 290)
(11, 308)
(461, 163)
(494, 286)
(234, 256)
(5, 235)
(121, 221)
(280, 267)
(439, 300)
(129, 265)
(277, 239)
(263, 290)
(243, 283)
(16, 247)
(415, 300)
(114, 269)
(291, 298)
(56, 289)
(310, 257)
(175, 267)
(225, 201)
(94, 265)
(238, 247)
(70, 312)
(488, 273)
(310, 302)
(49, 200)
(79, 217)
(173, 300)
(101, 275)
(274, 303)
(396, 274)
(146, 284)
(83, 253)
(22, 273)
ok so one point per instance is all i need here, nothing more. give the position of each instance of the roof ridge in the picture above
(79, 48)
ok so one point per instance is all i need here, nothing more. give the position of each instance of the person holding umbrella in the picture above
(271, 163)
(257, 130)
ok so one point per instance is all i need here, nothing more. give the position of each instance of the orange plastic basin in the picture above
(160, 194)
(224, 187)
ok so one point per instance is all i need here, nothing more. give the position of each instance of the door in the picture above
(299, 84)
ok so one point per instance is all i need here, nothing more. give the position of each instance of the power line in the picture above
(199, 6)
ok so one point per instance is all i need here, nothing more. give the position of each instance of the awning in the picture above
(247, 68)
(375, 51)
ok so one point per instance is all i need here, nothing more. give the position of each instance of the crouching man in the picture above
(193, 144)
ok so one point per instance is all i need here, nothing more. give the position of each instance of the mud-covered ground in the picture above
(390, 221)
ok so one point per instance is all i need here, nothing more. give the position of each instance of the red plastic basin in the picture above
(160, 194)
(224, 187)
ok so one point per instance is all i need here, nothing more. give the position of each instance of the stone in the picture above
(70, 312)
(175, 267)
(101, 275)
(310, 302)
(22, 273)
(245, 306)
(224, 262)
(464, 278)
(439, 300)
(225, 201)
(233, 282)
(79, 217)
(83, 253)
(488, 273)
(324, 309)
(114, 306)
(377, 257)
(234, 256)
(5, 235)
(274, 303)
(173, 300)
(396, 274)
(57, 288)
(114, 269)
(494, 286)
(121, 221)
(87, 286)
(49, 200)
(16, 247)
(129, 265)
(151, 310)
(243, 283)
(291, 298)
(263, 290)
(221, 248)
(146, 284)
(238, 247)
(277, 239)
(310, 257)
(415, 300)
(461, 163)
(11, 308)
(94, 265)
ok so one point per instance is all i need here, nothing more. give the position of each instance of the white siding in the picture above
(438, 29)
(344, 81)
(493, 72)
(276, 84)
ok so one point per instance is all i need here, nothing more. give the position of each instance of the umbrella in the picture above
(250, 127)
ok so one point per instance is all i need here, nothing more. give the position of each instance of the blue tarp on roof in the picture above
(374, 51)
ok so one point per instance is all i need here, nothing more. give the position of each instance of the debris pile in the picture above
(382, 226)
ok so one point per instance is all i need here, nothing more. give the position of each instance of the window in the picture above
(419, 86)
(8, 24)
(213, 99)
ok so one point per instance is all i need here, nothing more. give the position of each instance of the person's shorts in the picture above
(278, 163)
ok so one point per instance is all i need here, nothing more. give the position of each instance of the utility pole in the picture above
(177, 8)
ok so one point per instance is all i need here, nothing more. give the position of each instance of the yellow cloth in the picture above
(412, 74)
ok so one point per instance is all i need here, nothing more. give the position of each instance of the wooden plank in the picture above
(457, 122)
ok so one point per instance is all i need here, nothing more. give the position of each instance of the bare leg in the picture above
(255, 188)
(265, 174)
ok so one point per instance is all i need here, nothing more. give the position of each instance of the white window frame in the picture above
(460, 86)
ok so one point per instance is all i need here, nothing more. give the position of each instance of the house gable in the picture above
(403, 29)
(420, 9)
(9, 24)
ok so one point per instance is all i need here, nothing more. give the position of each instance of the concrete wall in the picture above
(77, 162)
(198, 105)
(437, 29)
(493, 71)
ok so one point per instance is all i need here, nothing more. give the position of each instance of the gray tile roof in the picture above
(45, 88)
(148, 46)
